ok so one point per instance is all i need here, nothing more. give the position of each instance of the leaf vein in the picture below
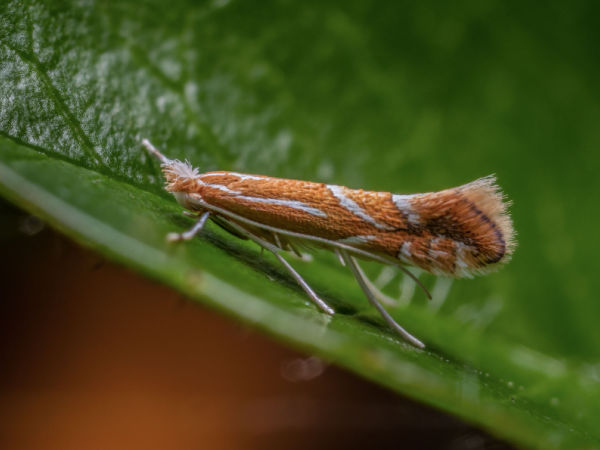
(55, 95)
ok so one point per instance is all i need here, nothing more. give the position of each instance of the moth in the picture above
(457, 232)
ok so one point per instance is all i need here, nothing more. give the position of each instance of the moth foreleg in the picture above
(189, 234)
(357, 272)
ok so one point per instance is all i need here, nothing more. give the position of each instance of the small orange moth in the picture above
(458, 232)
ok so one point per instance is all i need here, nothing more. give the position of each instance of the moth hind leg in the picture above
(360, 278)
(383, 298)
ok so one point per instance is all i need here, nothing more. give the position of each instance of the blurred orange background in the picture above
(95, 357)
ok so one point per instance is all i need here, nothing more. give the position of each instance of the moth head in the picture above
(180, 176)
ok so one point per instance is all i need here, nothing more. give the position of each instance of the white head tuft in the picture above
(180, 175)
(181, 169)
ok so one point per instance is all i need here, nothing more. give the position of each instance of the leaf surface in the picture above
(378, 96)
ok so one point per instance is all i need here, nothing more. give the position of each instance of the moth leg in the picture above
(277, 241)
(304, 285)
(295, 251)
(189, 234)
(386, 299)
(357, 272)
(340, 257)
(276, 251)
(190, 213)
(288, 247)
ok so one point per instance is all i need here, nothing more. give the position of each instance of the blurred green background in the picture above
(397, 96)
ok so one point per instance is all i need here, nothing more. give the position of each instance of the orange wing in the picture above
(459, 231)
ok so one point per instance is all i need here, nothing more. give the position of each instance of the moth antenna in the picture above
(155, 152)
(416, 280)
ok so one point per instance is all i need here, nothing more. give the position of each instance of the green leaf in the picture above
(384, 96)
